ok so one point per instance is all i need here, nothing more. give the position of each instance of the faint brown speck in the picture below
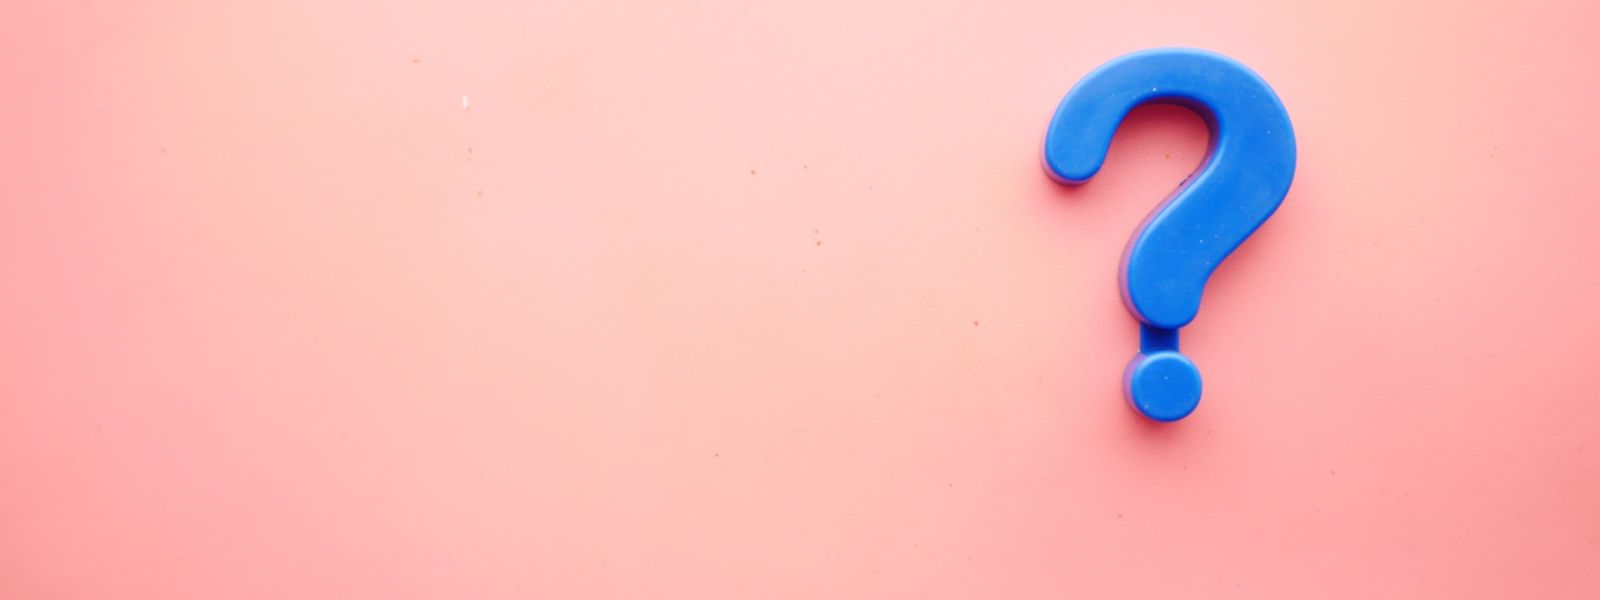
(752, 171)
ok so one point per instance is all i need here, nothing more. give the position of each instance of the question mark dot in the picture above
(1165, 386)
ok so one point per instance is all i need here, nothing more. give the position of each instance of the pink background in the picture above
(772, 300)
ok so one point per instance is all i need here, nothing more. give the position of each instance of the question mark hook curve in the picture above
(1171, 255)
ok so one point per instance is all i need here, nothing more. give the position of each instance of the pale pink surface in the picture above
(772, 300)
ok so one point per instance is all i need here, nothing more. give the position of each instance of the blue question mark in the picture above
(1241, 182)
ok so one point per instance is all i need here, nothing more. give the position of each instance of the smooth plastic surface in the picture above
(1241, 182)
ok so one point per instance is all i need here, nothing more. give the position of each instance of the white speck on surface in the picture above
(465, 103)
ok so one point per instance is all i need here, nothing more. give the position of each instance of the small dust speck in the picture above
(974, 323)
(1169, 157)
(416, 61)
(479, 193)
(752, 171)
(1119, 515)
(819, 242)
(716, 454)
(1332, 472)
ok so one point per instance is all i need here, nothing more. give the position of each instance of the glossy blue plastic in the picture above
(1241, 182)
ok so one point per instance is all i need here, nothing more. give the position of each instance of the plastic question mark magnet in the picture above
(1240, 183)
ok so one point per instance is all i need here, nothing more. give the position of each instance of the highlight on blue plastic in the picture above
(1241, 182)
